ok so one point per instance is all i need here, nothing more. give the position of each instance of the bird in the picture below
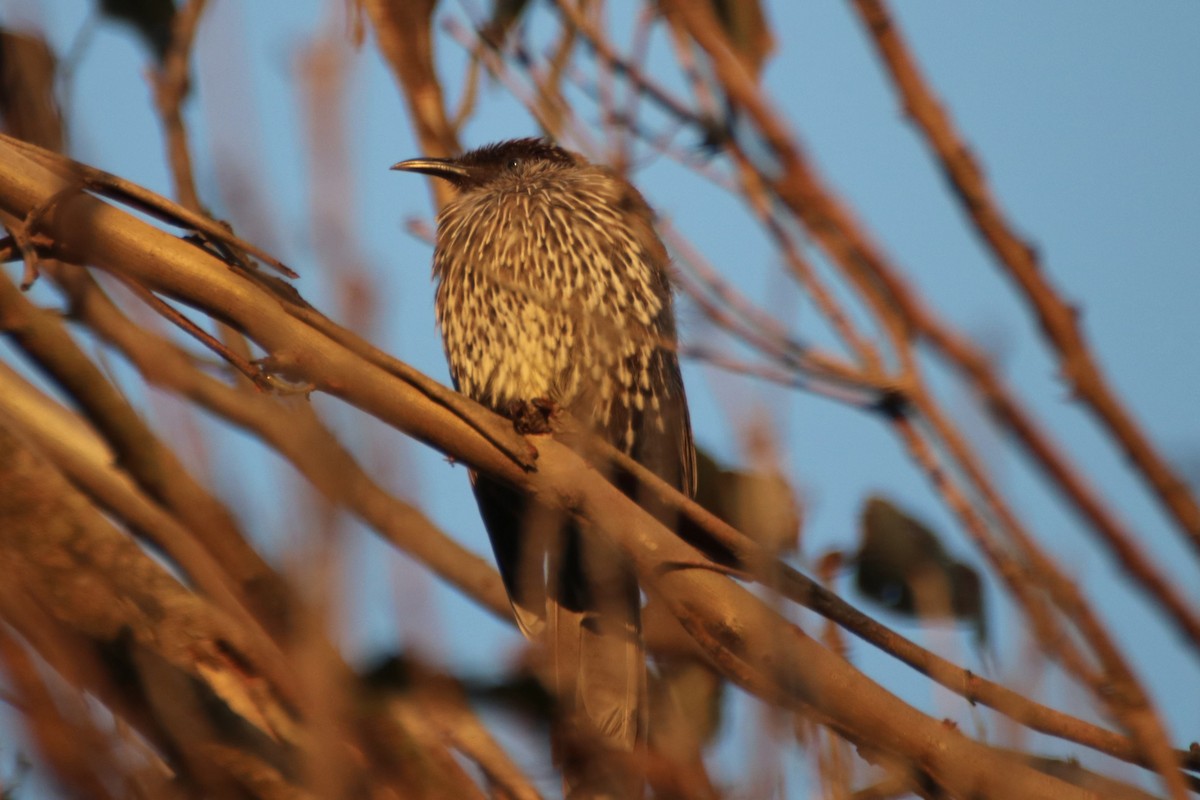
(553, 295)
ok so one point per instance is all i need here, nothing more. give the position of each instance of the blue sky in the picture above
(1085, 116)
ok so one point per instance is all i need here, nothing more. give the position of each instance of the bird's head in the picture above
(484, 165)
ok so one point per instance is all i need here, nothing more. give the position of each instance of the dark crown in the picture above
(503, 154)
(479, 167)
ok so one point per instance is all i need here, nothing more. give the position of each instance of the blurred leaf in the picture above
(27, 100)
(505, 15)
(150, 19)
(746, 26)
(759, 504)
(901, 564)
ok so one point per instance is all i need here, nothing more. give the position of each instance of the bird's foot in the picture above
(533, 416)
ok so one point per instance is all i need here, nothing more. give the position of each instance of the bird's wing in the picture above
(521, 562)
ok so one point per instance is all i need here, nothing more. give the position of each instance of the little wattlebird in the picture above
(553, 294)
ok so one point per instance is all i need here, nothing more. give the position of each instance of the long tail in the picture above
(576, 594)
(594, 632)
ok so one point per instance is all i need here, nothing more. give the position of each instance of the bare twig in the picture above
(84, 177)
(171, 85)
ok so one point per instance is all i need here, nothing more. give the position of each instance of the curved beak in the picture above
(446, 168)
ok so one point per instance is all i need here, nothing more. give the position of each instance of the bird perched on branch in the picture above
(553, 294)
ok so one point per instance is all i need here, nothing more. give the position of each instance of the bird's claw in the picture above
(533, 416)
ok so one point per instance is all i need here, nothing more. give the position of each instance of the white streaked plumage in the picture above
(549, 287)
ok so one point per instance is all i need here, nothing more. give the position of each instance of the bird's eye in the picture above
(513, 163)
